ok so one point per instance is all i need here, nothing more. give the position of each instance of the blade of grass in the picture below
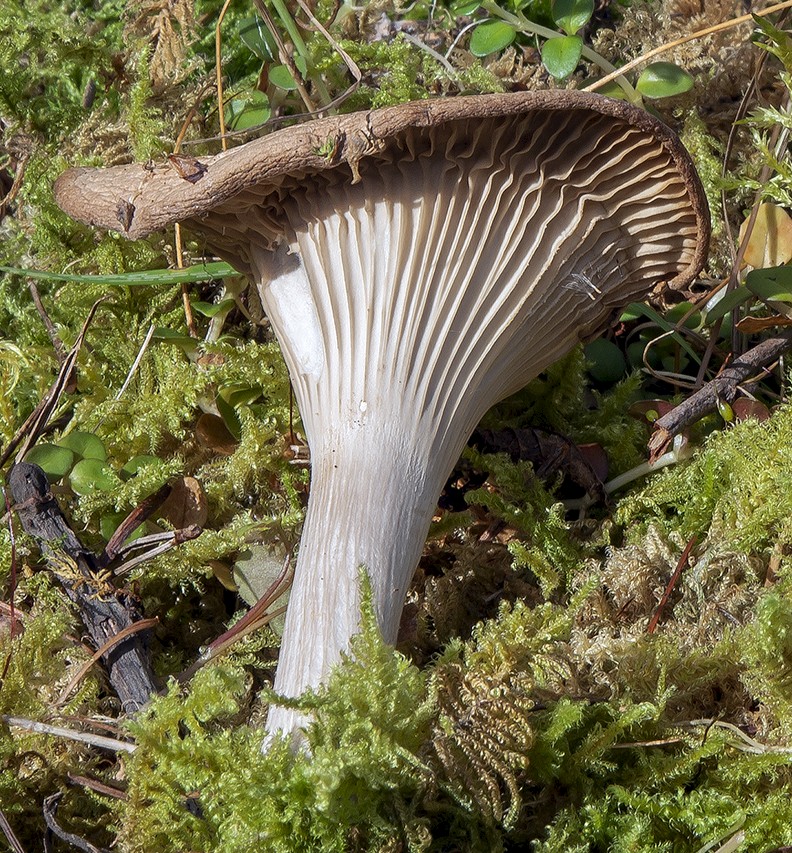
(198, 272)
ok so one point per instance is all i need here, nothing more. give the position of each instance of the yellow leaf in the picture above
(770, 243)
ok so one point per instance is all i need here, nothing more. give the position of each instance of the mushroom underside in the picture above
(463, 262)
(418, 263)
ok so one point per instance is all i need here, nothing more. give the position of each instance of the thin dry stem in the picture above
(99, 741)
(664, 48)
(219, 71)
(143, 625)
(284, 55)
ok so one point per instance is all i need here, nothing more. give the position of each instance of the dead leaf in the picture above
(225, 574)
(749, 325)
(187, 167)
(770, 242)
(212, 432)
(744, 409)
(186, 504)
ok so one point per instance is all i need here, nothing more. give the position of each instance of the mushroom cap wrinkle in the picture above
(418, 264)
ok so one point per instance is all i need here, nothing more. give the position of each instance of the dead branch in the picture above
(722, 387)
(105, 610)
(12, 840)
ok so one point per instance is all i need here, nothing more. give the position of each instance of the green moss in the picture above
(737, 489)
(360, 781)
(37, 664)
(707, 155)
(44, 78)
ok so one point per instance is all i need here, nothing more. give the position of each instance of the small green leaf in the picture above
(137, 462)
(85, 445)
(93, 475)
(169, 336)
(54, 461)
(212, 309)
(609, 90)
(240, 394)
(463, 8)
(606, 361)
(280, 76)
(772, 285)
(257, 38)
(635, 355)
(256, 569)
(249, 110)
(560, 56)
(230, 417)
(678, 311)
(724, 304)
(725, 411)
(571, 15)
(490, 37)
(108, 525)
(637, 309)
(631, 313)
(662, 80)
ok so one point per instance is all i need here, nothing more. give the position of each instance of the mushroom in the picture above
(418, 263)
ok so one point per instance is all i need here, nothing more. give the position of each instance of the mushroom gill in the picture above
(415, 286)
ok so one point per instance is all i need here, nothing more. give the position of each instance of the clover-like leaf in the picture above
(54, 461)
(280, 76)
(491, 37)
(605, 361)
(560, 56)
(662, 80)
(93, 475)
(85, 445)
(250, 109)
(571, 15)
(137, 462)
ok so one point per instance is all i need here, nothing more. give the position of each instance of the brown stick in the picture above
(57, 343)
(50, 809)
(96, 785)
(30, 430)
(12, 840)
(683, 561)
(104, 611)
(143, 625)
(722, 387)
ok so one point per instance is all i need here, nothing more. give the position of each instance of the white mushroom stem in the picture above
(409, 303)
(365, 510)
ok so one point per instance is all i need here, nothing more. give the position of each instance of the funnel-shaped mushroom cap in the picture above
(418, 263)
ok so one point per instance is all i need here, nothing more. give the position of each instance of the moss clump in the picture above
(360, 785)
(38, 661)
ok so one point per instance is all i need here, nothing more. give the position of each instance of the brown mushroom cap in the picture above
(138, 200)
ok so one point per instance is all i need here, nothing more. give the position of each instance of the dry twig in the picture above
(722, 387)
(12, 840)
(99, 741)
(50, 809)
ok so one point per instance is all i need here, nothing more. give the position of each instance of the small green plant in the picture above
(563, 48)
